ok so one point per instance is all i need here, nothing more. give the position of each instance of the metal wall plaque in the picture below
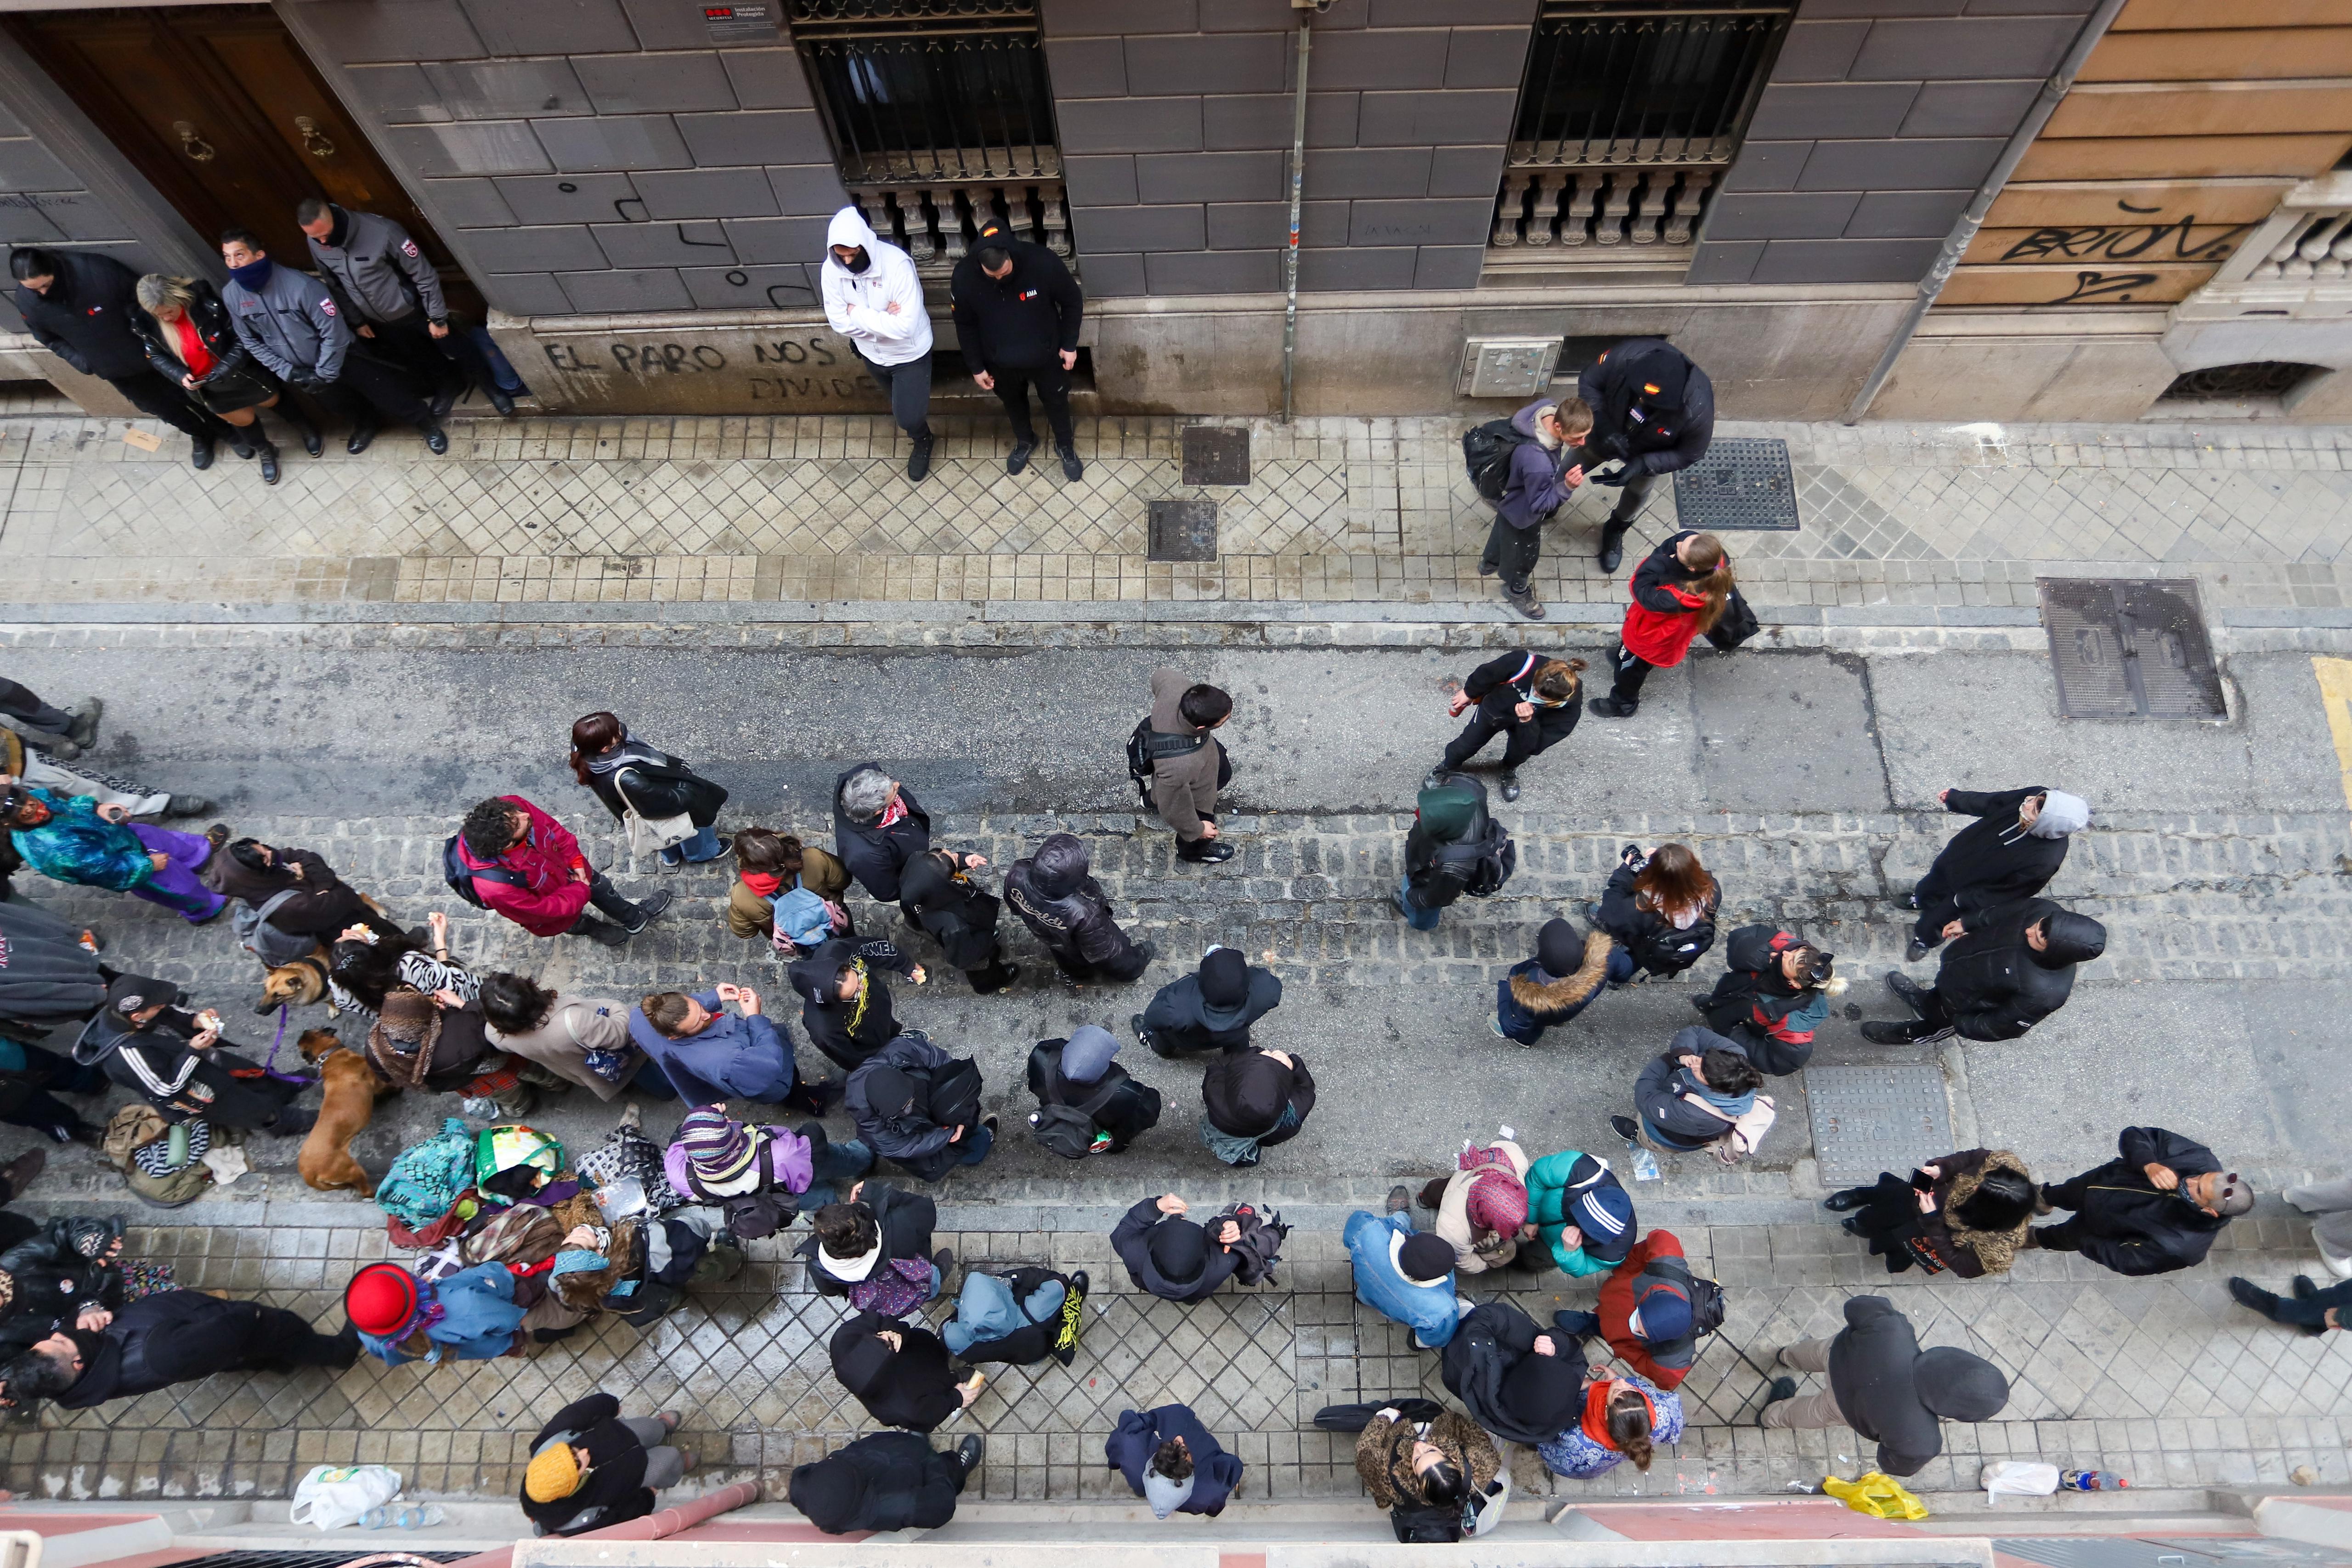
(745, 22)
(1183, 530)
(1216, 455)
(1742, 483)
(2130, 648)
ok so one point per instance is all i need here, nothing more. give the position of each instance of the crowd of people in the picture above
(516, 1249)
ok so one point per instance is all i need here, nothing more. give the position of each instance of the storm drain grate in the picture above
(2127, 648)
(1872, 1119)
(1183, 530)
(1216, 455)
(1742, 483)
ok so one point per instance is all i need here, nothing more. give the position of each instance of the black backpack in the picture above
(1487, 451)
(1705, 1305)
(1491, 858)
(1147, 746)
(1068, 1128)
(461, 877)
(1736, 625)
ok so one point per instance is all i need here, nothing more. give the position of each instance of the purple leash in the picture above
(269, 1062)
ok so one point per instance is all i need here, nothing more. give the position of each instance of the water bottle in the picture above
(376, 1518)
(1645, 1164)
(2091, 1480)
(421, 1517)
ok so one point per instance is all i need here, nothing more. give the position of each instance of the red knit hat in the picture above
(381, 1299)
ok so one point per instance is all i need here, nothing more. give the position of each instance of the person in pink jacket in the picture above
(526, 866)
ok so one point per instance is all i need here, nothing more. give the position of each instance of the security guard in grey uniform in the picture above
(289, 322)
(391, 295)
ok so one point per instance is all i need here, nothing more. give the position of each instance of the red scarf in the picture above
(193, 353)
(896, 812)
(764, 883)
(1596, 1412)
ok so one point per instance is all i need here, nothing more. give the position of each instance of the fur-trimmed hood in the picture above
(1558, 995)
(1996, 1250)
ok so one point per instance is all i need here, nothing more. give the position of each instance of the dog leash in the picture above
(269, 1062)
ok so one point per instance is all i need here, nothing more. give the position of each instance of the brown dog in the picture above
(349, 1088)
(299, 984)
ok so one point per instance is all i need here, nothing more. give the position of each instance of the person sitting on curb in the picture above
(1583, 1215)
(1689, 1095)
(1212, 1010)
(1884, 1386)
(592, 1467)
(2153, 1209)
(1406, 1276)
(1647, 1312)
(709, 1056)
(1170, 1461)
(883, 1481)
(1171, 1257)
(2008, 853)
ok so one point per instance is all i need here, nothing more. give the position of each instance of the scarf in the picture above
(253, 275)
(850, 1270)
(1496, 1199)
(1596, 1411)
(893, 813)
(763, 883)
(1730, 1105)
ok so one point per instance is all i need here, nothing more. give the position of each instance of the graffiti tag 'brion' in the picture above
(2123, 242)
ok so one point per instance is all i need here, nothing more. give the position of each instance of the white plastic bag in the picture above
(2018, 1477)
(333, 1496)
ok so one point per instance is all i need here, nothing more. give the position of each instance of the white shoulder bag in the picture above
(649, 835)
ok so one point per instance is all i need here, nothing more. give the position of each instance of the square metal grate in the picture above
(1183, 530)
(1216, 455)
(2130, 648)
(1742, 483)
(1872, 1119)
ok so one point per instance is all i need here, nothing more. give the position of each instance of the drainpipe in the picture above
(1956, 244)
(1297, 182)
(654, 1526)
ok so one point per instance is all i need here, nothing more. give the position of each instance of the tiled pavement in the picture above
(2162, 1380)
(759, 510)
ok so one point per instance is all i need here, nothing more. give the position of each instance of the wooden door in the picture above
(221, 110)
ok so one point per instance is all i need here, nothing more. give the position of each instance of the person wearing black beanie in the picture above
(883, 1481)
(1254, 1099)
(1209, 1010)
(1568, 971)
(1171, 1257)
(2008, 969)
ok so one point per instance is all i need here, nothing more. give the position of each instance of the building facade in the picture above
(634, 192)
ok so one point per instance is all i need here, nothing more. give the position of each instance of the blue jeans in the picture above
(651, 1082)
(703, 846)
(980, 1140)
(1417, 918)
(833, 1167)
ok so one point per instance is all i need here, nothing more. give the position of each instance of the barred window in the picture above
(915, 91)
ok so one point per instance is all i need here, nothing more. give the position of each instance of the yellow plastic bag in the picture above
(1876, 1494)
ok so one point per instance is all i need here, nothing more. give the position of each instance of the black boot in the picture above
(267, 453)
(1613, 540)
(303, 429)
(200, 452)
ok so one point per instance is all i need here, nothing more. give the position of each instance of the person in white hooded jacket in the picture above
(874, 299)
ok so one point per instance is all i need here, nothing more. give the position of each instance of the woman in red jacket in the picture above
(1679, 592)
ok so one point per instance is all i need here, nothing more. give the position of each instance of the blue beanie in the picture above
(1665, 1313)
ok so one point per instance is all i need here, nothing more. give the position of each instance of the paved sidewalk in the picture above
(1952, 521)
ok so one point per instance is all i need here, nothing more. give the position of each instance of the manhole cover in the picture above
(2127, 648)
(1216, 455)
(1872, 1119)
(1184, 530)
(1741, 483)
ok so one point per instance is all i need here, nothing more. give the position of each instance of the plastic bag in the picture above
(333, 1496)
(2019, 1477)
(1877, 1494)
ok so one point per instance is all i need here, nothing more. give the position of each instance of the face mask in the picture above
(253, 274)
(859, 262)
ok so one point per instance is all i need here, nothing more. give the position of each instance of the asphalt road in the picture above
(281, 731)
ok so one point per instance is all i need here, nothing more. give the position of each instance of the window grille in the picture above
(1628, 116)
(941, 115)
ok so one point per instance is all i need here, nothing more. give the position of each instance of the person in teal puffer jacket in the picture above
(471, 1315)
(1581, 1212)
(73, 839)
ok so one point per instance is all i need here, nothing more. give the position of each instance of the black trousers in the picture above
(25, 705)
(1936, 909)
(281, 1340)
(445, 364)
(1053, 384)
(1512, 553)
(42, 1111)
(152, 394)
(1521, 741)
(370, 390)
(1632, 671)
(606, 900)
(1938, 1019)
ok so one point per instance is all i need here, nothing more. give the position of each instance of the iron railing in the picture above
(930, 92)
(1628, 116)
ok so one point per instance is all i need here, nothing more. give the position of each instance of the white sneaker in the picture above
(2339, 1267)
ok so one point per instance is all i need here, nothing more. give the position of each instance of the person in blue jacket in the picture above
(471, 1315)
(1402, 1274)
(1171, 1462)
(709, 1055)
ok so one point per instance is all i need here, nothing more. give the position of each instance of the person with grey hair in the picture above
(2153, 1209)
(2010, 851)
(1543, 471)
(877, 827)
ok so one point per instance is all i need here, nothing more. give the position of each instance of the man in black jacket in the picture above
(884, 1481)
(2154, 1209)
(1212, 1010)
(1065, 908)
(1533, 700)
(877, 827)
(1171, 1257)
(77, 304)
(171, 1336)
(1017, 314)
(2010, 851)
(1653, 410)
(1885, 1387)
(2010, 969)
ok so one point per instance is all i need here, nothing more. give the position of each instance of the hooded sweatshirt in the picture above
(1993, 861)
(912, 1386)
(883, 1481)
(1212, 1010)
(1138, 1438)
(1537, 483)
(858, 304)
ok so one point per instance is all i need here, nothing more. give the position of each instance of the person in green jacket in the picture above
(1581, 1212)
